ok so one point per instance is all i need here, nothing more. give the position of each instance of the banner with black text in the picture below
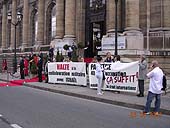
(67, 73)
(119, 76)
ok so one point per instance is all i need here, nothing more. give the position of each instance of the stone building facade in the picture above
(145, 24)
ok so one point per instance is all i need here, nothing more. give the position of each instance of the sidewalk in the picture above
(124, 99)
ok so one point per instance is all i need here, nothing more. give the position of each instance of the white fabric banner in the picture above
(67, 73)
(119, 76)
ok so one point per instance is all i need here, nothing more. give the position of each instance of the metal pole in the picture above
(15, 57)
(116, 2)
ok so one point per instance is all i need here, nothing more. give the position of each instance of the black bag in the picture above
(164, 83)
(104, 76)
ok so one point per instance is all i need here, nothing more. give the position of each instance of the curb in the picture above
(99, 99)
(12, 81)
(4, 80)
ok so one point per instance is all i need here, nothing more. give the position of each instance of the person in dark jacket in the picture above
(21, 64)
(40, 65)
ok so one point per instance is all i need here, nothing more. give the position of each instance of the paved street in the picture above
(32, 108)
(4, 125)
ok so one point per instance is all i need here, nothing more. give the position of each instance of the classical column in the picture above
(14, 20)
(59, 19)
(148, 24)
(25, 23)
(4, 26)
(166, 11)
(110, 14)
(134, 37)
(80, 21)
(41, 18)
(132, 15)
(70, 19)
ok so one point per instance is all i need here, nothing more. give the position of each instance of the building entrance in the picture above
(95, 26)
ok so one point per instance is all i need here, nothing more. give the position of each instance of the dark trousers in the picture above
(141, 86)
(46, 76)
(22, 74)
(40, 75)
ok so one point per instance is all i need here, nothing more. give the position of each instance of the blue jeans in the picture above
(149, 101)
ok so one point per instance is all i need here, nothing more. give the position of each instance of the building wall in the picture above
(139, 17)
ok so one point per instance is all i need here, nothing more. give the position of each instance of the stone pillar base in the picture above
(22, 48)
(1, 50)
(24, 45)
(134, 39)
(36, 48)
(70, 39)
(111, 31)
(58, 44)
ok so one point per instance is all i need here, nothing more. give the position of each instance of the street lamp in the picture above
(116, 2)
(15, 24)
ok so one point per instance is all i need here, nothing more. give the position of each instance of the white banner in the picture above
(119, 76)
(67, 73)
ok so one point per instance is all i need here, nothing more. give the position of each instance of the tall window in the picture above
(0, 34)
(53, 23)
(36, 26)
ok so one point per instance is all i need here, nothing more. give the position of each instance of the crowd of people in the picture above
(32, 64)
(36, 64)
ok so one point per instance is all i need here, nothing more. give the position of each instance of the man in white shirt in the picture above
(155, 75)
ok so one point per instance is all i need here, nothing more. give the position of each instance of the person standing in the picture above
(156, 76)
(99, 75)
(142, 75)
(51, 53)
(40, 65)
(26, 65)
(4, 65)
(46, 70)
(116, 59)
(109, 57)
(21, 64)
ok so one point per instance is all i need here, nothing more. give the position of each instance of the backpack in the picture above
(164, 83)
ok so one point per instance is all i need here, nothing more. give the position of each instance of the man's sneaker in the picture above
(140, 95)
(156, 113)
(146, 113)
(117, 92)
(99, 94)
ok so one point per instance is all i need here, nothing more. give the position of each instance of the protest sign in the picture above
(67, 73)
(119, 76)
